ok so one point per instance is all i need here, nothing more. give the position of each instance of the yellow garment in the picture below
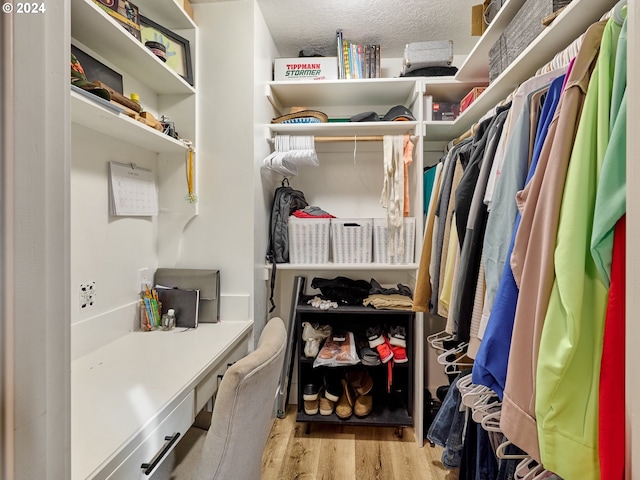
(422, 294)
(447, 280)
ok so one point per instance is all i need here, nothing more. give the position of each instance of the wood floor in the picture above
(337, 452)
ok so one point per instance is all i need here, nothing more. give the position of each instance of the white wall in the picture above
(35, 401)
(222, 235)
(264, 183)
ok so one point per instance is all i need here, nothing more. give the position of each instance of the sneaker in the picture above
(374, 336)
(326, 406)
(368, 356)
(344, 406)
(333, 388)
(398, 336)
(399, 354)
(360, 381)
(363, 406)
(313, 336)
(310, 391)
(311, 406)
(384, 350)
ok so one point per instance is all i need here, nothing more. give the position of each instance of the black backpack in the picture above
(285, 201)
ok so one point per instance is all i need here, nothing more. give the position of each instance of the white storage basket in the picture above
(309, 240)
(351, 240)
(381, 242)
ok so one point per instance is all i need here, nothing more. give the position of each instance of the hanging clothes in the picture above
(490, 368)
(393, 189)
(608, 251)
(475, 229)
(571, 342)
(422, 293)
(512, 176)
(532, 258)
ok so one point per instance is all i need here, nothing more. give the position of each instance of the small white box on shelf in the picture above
(381, 242)
(351, 240)
(309, 240)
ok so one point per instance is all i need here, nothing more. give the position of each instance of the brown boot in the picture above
(363, 406)
(344, 407)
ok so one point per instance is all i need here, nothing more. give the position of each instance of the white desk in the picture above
(124, 392)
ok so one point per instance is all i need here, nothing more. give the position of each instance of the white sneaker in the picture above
(313, 336)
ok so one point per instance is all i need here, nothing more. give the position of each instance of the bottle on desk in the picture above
(169, 320)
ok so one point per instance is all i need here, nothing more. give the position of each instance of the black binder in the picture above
(184, 302)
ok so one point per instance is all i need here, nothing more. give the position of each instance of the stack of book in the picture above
(357, 60)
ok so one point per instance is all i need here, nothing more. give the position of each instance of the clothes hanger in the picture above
(618, 14)
(491, 422)
(443, 358)
(500, 452)
(528, 469)
(436, 340)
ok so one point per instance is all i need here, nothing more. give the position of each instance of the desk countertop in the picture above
(121, 391)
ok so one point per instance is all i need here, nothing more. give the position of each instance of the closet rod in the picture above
(353, 138)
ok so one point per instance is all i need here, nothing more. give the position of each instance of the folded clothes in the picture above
(389, 302)
(377, 288)
(312, 212)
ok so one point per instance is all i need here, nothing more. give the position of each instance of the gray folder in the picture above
(206, 281)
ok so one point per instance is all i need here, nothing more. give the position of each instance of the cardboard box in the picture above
(306, 68)
(470, 97)
(188, 8)
(477, 20)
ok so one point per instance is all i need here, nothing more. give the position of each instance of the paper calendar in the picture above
(133, 190)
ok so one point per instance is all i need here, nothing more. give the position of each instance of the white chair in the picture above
(242, 417)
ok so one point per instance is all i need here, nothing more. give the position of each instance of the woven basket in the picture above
(523, 29)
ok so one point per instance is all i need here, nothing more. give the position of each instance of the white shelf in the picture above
(102, 34)
(476, 65)
(345, 266)
(168, 13)
(369, 93)
(572, 22)
(121, 127)
(345, 128)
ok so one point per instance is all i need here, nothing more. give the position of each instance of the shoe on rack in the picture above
(333, 387)
(368, 356)
(360, 381)
(344, 406)
(326, 406)
(399, 354)
(363, 406)
(384, 350)
(311, 406)
(398, 336)
(313, 335)
(310, 391)
(374, 336)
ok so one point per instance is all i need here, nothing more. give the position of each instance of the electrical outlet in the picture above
(144, 279)
(87, 295)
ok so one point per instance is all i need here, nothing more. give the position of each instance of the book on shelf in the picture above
(356, 60)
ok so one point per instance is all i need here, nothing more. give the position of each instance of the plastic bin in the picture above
(309, 240)
(351, 240)
(381, 242)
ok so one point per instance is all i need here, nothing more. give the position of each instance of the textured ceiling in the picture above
(311, 24)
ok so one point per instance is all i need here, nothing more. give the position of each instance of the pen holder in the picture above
(150, 320)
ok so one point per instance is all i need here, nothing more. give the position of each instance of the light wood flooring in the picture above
(340, 452)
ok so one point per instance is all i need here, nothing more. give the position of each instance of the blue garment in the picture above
(448, 427)
(490, 366)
